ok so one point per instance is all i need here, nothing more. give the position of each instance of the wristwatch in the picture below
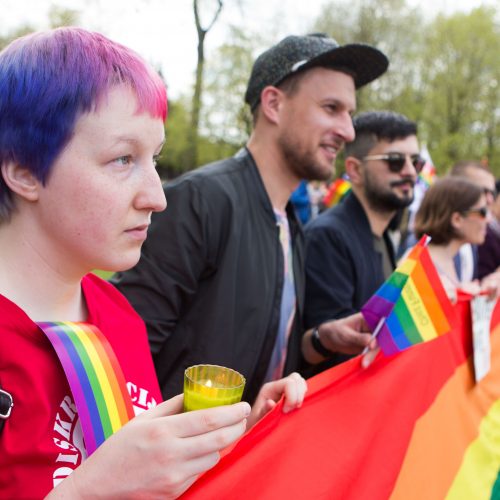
(317, 345)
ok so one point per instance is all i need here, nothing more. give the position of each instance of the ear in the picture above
(270, 103)
(456, 220)
(353, 169)
(20, 181)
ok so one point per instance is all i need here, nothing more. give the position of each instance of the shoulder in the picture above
(214, 177)
(13, 318)
(102, 295)
(332, 221)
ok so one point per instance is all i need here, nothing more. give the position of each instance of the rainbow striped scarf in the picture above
(95, 378)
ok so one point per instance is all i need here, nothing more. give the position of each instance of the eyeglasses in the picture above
(491, 192)
(397, 161)
(482, 212)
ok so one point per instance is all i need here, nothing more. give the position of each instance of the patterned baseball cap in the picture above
(298, 53)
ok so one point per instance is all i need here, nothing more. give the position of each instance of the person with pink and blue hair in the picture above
(81, 125)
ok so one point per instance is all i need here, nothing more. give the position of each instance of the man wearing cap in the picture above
(348, 250)
(220, 279)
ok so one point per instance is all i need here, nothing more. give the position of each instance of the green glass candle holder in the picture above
(206, 386)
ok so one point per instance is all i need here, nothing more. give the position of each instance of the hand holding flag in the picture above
(411, 306)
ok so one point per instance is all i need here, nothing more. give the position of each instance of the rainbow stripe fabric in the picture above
(410, 427)
(95, 378)
(428, 174)
(411, 305)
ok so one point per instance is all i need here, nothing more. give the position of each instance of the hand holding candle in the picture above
(206, 386)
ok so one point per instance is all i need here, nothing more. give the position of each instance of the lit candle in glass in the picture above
(206, 386)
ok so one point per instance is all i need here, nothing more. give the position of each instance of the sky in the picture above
(163, 31)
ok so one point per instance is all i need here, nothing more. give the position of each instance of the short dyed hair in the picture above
(375, 126)
(48, 80)
(447, 196)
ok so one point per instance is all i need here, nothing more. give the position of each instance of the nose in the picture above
(490, 197)
(409, 169)
(347, 129)
(151, 195)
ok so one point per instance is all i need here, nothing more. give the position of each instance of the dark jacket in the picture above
(210, 277)
(343, 269)
(488, 254)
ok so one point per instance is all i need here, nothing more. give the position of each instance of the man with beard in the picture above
(348, 251)
(220, 278)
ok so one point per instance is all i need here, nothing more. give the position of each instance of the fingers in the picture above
(194, 423)
(351, 342)
(211, 443)
(346, 335)
(368, 358)
(172, 406)
(295, 389)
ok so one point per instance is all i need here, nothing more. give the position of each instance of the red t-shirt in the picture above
(42, 441)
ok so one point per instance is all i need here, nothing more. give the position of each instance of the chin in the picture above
(123, 264)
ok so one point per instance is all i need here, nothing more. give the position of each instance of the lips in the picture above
(405, 183)
(138, 232)
(331, 150)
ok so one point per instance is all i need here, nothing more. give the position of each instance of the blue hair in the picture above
(48, 79)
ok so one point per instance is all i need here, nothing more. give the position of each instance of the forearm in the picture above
(311, 355)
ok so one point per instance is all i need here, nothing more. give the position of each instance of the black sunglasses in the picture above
(397, 161)
(483, 212)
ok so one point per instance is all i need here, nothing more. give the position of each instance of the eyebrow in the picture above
(132, 140)
(337, 102)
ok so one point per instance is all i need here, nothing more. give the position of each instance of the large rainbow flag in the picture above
(411, 306)
(412, 426)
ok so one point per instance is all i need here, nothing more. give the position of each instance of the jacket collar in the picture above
(245, 156)
(358, 217)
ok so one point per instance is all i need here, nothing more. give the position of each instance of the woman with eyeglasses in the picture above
(453, 212)
(488, 253)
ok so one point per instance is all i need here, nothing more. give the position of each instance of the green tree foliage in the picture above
(225, 114)
(444, 72)
(21, 31)
(393, 27)
(61, 16)
(460, 73)
(225, 121)
(174, 159)
(202, 31)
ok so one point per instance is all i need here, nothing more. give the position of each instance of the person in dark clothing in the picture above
(220, 279)
(489, 251)
(348, 250)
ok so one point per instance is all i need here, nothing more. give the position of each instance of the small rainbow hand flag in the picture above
(411, 306)
(337, 190)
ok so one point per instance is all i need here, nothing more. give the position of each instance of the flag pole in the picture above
(375, 333)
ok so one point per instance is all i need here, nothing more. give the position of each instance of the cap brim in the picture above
(366, 62)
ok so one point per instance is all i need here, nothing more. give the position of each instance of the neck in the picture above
(442, 256)
(379, 221)
(278, 181)
(28, 279)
